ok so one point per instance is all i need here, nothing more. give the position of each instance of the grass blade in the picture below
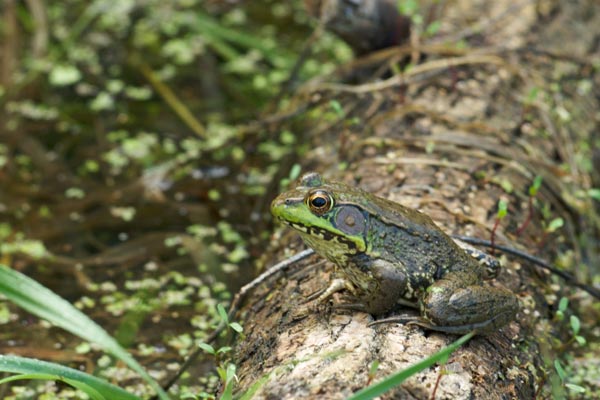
(40, 301)
(89, 390)
(29, 368)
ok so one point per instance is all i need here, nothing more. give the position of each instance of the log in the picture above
(450, 137)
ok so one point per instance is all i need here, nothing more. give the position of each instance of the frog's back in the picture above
(410, 239)
(388, 211)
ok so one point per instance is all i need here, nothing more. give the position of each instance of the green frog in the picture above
(389, 255)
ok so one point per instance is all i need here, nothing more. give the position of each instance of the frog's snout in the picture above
(278, 204)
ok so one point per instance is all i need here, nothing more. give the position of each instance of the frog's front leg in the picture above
(336, 285)
(386, 287)
(376, 286)
(313, 301)
(460, 302)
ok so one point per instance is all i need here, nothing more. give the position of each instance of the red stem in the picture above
(437, 383)
(528, 219)
(493, 237)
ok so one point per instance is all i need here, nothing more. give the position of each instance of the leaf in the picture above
(575, 324)
(33, 248)
(228, 392)
(555, 224)
(90, 391)
(229, 381)
(40, 301)
(64, 75)
(207, 347)
(29, 368)
(217, 34)
(236, 327)
(506, 185)
(433, 28)
(594, 194)
(295, 171)
(560, 370)
(222, 313)
(575, 388)
(535, 186)
(502, 207)
(396, 379)
(223, 349)
(373, 368)
(532, 95)
(255, 386)
(581, 340)
(563, 304)
(230, 372)
(560, 315)
(337, 108)
(408, 7)
(103, 101)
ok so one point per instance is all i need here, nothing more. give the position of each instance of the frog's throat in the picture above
(337, 249)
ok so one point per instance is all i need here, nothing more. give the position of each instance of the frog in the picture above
(387, 256)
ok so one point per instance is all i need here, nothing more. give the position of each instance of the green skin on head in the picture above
(390, 255)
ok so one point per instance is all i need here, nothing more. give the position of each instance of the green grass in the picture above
(42, 302)
(28, 368)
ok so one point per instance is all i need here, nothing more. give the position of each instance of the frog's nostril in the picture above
(287, 202)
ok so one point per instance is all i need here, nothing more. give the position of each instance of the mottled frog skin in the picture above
(389, 255)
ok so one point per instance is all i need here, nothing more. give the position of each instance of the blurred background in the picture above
(138, 161)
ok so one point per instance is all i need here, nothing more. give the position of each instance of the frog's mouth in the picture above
(323, 239)
(295, 225)
(316, 232)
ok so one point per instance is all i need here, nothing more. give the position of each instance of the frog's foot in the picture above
(307, 308)
(301, 312)
(479, 327)
(335, 286)
(489, 263)
(412, 320)
(407, 303)
(351, 306)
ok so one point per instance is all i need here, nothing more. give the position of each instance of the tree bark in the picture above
(452, 136)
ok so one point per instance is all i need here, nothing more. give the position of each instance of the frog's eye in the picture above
(319, 202)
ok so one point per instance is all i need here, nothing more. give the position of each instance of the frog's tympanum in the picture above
(389, 255)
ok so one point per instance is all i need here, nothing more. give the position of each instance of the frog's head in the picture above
(326, 215)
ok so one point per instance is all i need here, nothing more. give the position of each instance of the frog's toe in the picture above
(301, 312)
(335, 286)
(416, 320)
(351, 306)
(483, 327)
(408, 319)
(315, 295)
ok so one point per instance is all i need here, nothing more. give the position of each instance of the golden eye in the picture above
(319, 202)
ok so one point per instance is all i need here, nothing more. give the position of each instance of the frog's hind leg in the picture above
(459, 303)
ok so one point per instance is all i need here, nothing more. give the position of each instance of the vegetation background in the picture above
(135, 174)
